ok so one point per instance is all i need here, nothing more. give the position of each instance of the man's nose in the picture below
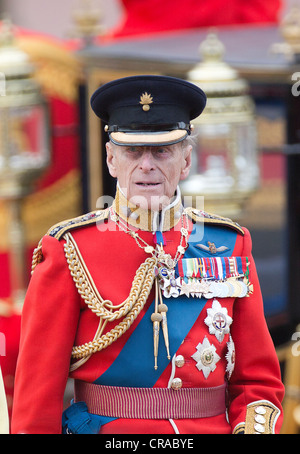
(147, 161)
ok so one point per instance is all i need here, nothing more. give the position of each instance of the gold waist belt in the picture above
(151, 403)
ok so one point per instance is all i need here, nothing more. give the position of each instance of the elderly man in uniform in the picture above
(154, 309)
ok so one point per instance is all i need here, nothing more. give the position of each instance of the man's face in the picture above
(149, 176)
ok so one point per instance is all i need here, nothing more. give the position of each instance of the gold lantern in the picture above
(289, 29)
(24, 145)
(225, 166)
(86, 17)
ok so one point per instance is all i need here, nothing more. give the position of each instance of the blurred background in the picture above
(245, 55)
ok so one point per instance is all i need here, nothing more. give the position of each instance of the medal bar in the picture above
(222, 277)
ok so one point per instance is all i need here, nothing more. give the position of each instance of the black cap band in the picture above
(149, 127)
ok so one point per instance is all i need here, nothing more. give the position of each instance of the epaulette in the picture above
(58, 230)
(203, 216)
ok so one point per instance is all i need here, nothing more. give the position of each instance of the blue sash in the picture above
(135, 364)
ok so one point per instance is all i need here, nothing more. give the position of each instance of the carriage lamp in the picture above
(225, 163)
(24, 145)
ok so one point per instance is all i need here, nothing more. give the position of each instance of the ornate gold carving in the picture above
(57, 70)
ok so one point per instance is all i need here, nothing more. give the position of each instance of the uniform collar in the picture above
(149, 220)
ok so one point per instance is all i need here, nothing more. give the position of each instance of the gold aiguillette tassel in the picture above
(163, 309)
(156, 319)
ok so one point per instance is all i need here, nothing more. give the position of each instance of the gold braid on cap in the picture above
(104, 309)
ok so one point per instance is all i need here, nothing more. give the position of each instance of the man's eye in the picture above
(132, 150)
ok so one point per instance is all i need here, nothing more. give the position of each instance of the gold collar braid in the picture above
(148, 220)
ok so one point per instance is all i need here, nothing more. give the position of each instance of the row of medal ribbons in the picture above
(208, 277)
(217, 268)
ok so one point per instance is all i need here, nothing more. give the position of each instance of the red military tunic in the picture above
(214, 340)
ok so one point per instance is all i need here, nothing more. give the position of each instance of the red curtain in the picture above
(149, 16)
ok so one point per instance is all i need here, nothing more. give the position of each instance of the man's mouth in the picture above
(147, 184)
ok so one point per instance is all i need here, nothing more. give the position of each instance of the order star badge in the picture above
(206, 357)
(218, 320)
(230, 357)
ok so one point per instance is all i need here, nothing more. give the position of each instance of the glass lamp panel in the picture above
(225, 158)
(27, 137)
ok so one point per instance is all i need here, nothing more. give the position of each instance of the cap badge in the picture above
(145, 100)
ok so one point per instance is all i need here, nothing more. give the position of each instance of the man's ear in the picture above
(187, 162)
(110, 159)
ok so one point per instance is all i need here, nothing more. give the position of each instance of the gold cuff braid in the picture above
(261, 417)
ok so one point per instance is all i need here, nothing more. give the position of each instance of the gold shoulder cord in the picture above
(37, 256)
(129, 309)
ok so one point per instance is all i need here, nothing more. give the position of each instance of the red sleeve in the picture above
(256, 380)
(49, 321)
